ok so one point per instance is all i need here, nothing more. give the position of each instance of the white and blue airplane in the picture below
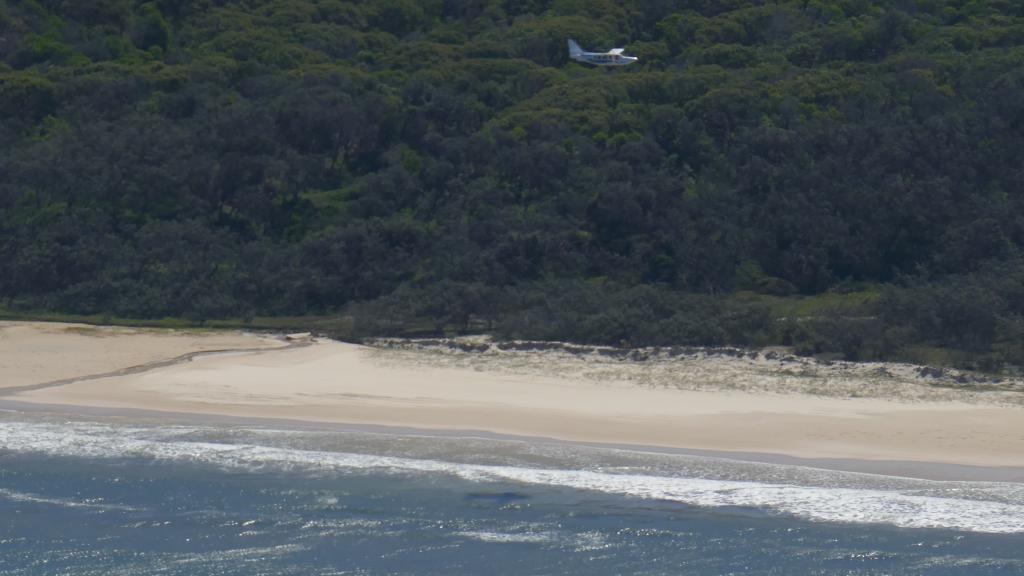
(613, 57)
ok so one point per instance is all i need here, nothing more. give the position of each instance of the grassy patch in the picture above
(931, 355)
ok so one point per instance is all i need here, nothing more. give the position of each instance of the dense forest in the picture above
(421, 166)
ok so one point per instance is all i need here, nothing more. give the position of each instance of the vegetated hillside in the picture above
(422, 164)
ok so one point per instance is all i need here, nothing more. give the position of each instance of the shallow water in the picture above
(113, 497)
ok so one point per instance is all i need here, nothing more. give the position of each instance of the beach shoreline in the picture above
(914, 469)
(336, 385)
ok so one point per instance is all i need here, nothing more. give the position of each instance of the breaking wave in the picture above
(966, 506)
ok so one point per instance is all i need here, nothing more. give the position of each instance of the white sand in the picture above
(335, 382)
(38, 352)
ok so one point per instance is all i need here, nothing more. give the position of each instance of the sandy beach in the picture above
(33, 353)
(583, 398)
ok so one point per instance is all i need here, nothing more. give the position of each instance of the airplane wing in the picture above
(616, 51)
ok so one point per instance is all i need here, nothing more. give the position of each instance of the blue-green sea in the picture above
(97, 496)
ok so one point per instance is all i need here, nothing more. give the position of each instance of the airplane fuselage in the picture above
(613, 57)
(604, 59)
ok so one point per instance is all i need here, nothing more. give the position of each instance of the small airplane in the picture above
(613, 57)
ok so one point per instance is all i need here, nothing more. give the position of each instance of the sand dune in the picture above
(336, 382)
(38, 352)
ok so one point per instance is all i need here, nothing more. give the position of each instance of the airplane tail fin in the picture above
(574, 49)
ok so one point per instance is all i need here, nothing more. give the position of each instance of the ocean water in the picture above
(99, 496)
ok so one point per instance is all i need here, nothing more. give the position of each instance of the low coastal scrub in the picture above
(926, 324)
(770, 370)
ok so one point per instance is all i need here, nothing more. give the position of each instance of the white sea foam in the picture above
(980, 507)
(510, 537)
(62, 502)
(255, 555)
(547, 535)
